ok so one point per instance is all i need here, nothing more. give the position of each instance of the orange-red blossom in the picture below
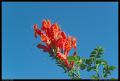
(52, 35)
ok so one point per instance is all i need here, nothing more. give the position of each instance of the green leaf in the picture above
(88, 61)
(77, 58)
(83, 59)
(114, 79)
(71, 58)
(50, 55)
(59, 63)
(98, 61)
(54, 51)
(93, 67)
(71, 73)
(94, 52)
(108, 72)
(101, 49)
(89, 68)
(97, 48)
(104, 62)
(98, 51)
(106, 67)
(105, 75)
(52, 58)
(65, 69)
(112, 67)
(98, 56)
(82, 66)
(92, 59)
(78, 63)
(94, 77)
(92, 55)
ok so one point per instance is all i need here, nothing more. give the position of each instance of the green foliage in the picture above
(60, 64)
(73, 58)
(88, 61)
(94, 77)
(97, 52)
(103, 62)
(89, 68)
(114, 79)
(107, 70)
(82, 66)
(65, 69)
(112, 67)
(71, 73)
(90, 64)
(77, 63)
(95, 60)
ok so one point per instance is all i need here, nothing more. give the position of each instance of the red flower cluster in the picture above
(55, 39)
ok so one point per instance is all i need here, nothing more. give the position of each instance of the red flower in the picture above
(52, 36)
(36, 30)
(63, 35)
(61, 56)
(64, 58)
(45, 48)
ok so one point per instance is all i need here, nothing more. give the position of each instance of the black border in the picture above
(58, 1)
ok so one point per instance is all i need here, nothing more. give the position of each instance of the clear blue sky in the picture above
(92, 23)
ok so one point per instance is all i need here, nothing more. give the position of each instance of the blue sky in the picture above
(92, 23)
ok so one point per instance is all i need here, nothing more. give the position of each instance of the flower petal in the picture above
(63, 35)
(45, 48)
(61, 56)
(36, 30)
